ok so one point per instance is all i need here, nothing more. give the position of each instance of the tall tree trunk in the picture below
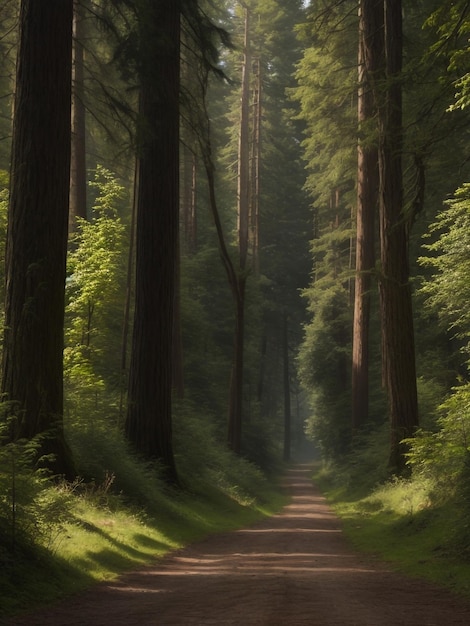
(398, 354)
(370, 53)
(149, 417)
(236, 380)
(238, 287)
(243, 188)
(32, 376)
(126, 318)
(177, 349)
(255, 168)
(193, 232)
(78, 177)
(187, 213)
(188, 199)
(287, 403)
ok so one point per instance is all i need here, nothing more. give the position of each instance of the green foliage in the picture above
(109, 530)
(366, 465)
(207, 324)
(400, 521)
(203, 460)
(103, 457)
(324, 367)
(441, 456)
(4, 181)
(94, 296)
(431, 393)
(32, 509)
(326, 85)
(326, 78)
(448, 290)
(451, 24)
(8, 37)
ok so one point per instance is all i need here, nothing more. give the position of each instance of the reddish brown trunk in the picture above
(370, 51)
(255, 169)
(398, 355)
(287, 403)
(243, 190)
(78, 177)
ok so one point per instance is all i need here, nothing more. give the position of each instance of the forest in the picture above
(234, 235)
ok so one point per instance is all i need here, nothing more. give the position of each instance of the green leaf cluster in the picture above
(447, 291)
(451, 22)
(441, 455)
(94, 289)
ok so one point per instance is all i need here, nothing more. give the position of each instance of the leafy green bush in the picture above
(94, 290)
(441, 456)
(448, 290)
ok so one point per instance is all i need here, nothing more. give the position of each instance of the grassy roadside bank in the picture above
(103, 536)
(396, 522)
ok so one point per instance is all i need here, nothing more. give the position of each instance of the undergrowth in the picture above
(57, 538)
(418, 523)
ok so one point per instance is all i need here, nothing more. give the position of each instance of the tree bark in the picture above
(255, 169)
(370, 53)
(149, 417)
(236, 381)
(238, 282)
(243, 190)
(177, 350)
(188, 199)
(287, 403)
(399, 371)
(78, 177)
(237, 287)
(126, 318)
(37, 231)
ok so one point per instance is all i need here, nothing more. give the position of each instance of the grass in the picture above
(104, 536)
(398, 522)
(58, 539)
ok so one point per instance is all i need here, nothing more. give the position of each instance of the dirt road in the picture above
(293, 569)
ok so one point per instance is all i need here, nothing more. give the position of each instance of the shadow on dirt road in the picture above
(293, 569)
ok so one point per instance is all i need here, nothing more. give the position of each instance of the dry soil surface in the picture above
(293, 569)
